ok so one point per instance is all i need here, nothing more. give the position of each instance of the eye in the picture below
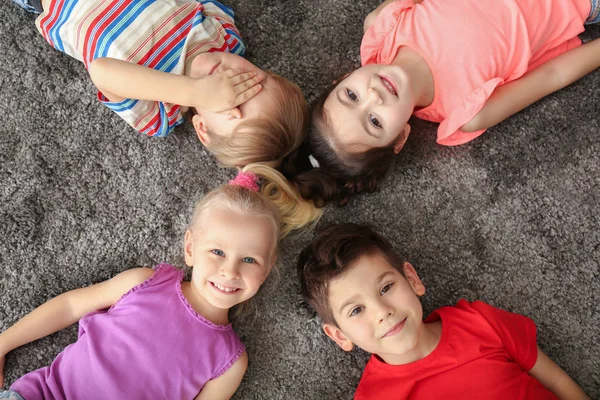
(355, 311)
(351, 95)
(374, 121)
(386, 288)
(248, 260)
(218, 252)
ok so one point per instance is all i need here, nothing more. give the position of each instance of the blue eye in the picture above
(248, 260)
(386, 288)
(355, 311)
(218, 252)
(351, 95)
(374, 121)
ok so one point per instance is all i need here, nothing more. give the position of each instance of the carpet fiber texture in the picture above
(512, 218)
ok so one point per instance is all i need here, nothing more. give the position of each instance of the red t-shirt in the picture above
(484, 353)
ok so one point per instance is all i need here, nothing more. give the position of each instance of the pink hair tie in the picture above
(246, 180)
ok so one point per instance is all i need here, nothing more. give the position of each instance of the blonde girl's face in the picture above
(370, 108)
(231, 255)
(259, 106)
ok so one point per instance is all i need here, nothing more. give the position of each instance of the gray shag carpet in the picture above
(512, 218)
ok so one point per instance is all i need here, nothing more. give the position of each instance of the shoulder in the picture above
(132, 277)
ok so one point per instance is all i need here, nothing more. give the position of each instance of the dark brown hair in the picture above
(339, 176)
(333, 252)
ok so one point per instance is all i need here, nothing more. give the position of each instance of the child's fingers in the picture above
(238, 77)
(248, 94)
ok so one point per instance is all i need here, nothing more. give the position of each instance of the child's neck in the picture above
(419, 75)
(427, 340)
(215, 315)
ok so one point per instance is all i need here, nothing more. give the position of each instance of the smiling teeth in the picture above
(224, 288)
(388, 86)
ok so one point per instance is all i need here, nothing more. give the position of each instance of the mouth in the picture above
(395, 329)
(214, 68)
(223, 288)
(388, 85)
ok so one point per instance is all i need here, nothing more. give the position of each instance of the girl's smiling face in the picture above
(231, 255)
(370, 108)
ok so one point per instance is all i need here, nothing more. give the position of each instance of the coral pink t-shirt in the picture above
(484, 353)
(472, 46)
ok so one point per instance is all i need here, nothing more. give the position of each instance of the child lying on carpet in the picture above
(155, 62)
(146, 333)
(366, 296)
(466, 64)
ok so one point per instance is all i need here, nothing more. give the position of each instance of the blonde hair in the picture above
(268, 140)
(295, 212)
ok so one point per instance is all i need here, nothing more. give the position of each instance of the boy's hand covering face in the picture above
(222, 92)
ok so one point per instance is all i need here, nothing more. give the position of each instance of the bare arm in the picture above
(120, 80)
(373, 14)
(223, 387)
(555, 379)
(549, 77)
(66, 309)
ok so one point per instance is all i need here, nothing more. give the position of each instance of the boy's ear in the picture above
(188, 248)
(201, 128)
(338, 337)
(401, 139)
(415, 282)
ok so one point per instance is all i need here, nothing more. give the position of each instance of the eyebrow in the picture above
(354, 298)
(351, 300)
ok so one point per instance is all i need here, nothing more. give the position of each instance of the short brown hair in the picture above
(331, 254)
(271, 139)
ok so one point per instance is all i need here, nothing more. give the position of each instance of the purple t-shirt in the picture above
(151, 344)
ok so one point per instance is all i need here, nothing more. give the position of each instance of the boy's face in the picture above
(376, 308)
(223, 124)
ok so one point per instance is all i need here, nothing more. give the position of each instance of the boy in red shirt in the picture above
(366, 296)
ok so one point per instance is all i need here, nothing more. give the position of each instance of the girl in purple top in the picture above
(146, 334)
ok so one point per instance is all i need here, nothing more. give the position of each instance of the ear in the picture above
(401, 139)
(235, 112)
(201, 128)
(272, 263)
(415, 282)
(338, 337)
(188, 246)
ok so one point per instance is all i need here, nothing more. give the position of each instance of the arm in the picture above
(66, 309)
(549, 77)
(120, 80)
(223, 387)
(373, 14)
(555, 379)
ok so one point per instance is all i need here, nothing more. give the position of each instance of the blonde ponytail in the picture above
(294, 211)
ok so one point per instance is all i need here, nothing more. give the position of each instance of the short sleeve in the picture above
(152, 118)
(380, 42)
(463, 111)
(517, 332)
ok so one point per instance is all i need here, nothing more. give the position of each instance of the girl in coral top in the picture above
(465, 64)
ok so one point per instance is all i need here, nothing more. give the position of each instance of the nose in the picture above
(383, 311)
(229, 270)
(375, 95)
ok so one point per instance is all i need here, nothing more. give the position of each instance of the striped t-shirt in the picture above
(164, 35)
